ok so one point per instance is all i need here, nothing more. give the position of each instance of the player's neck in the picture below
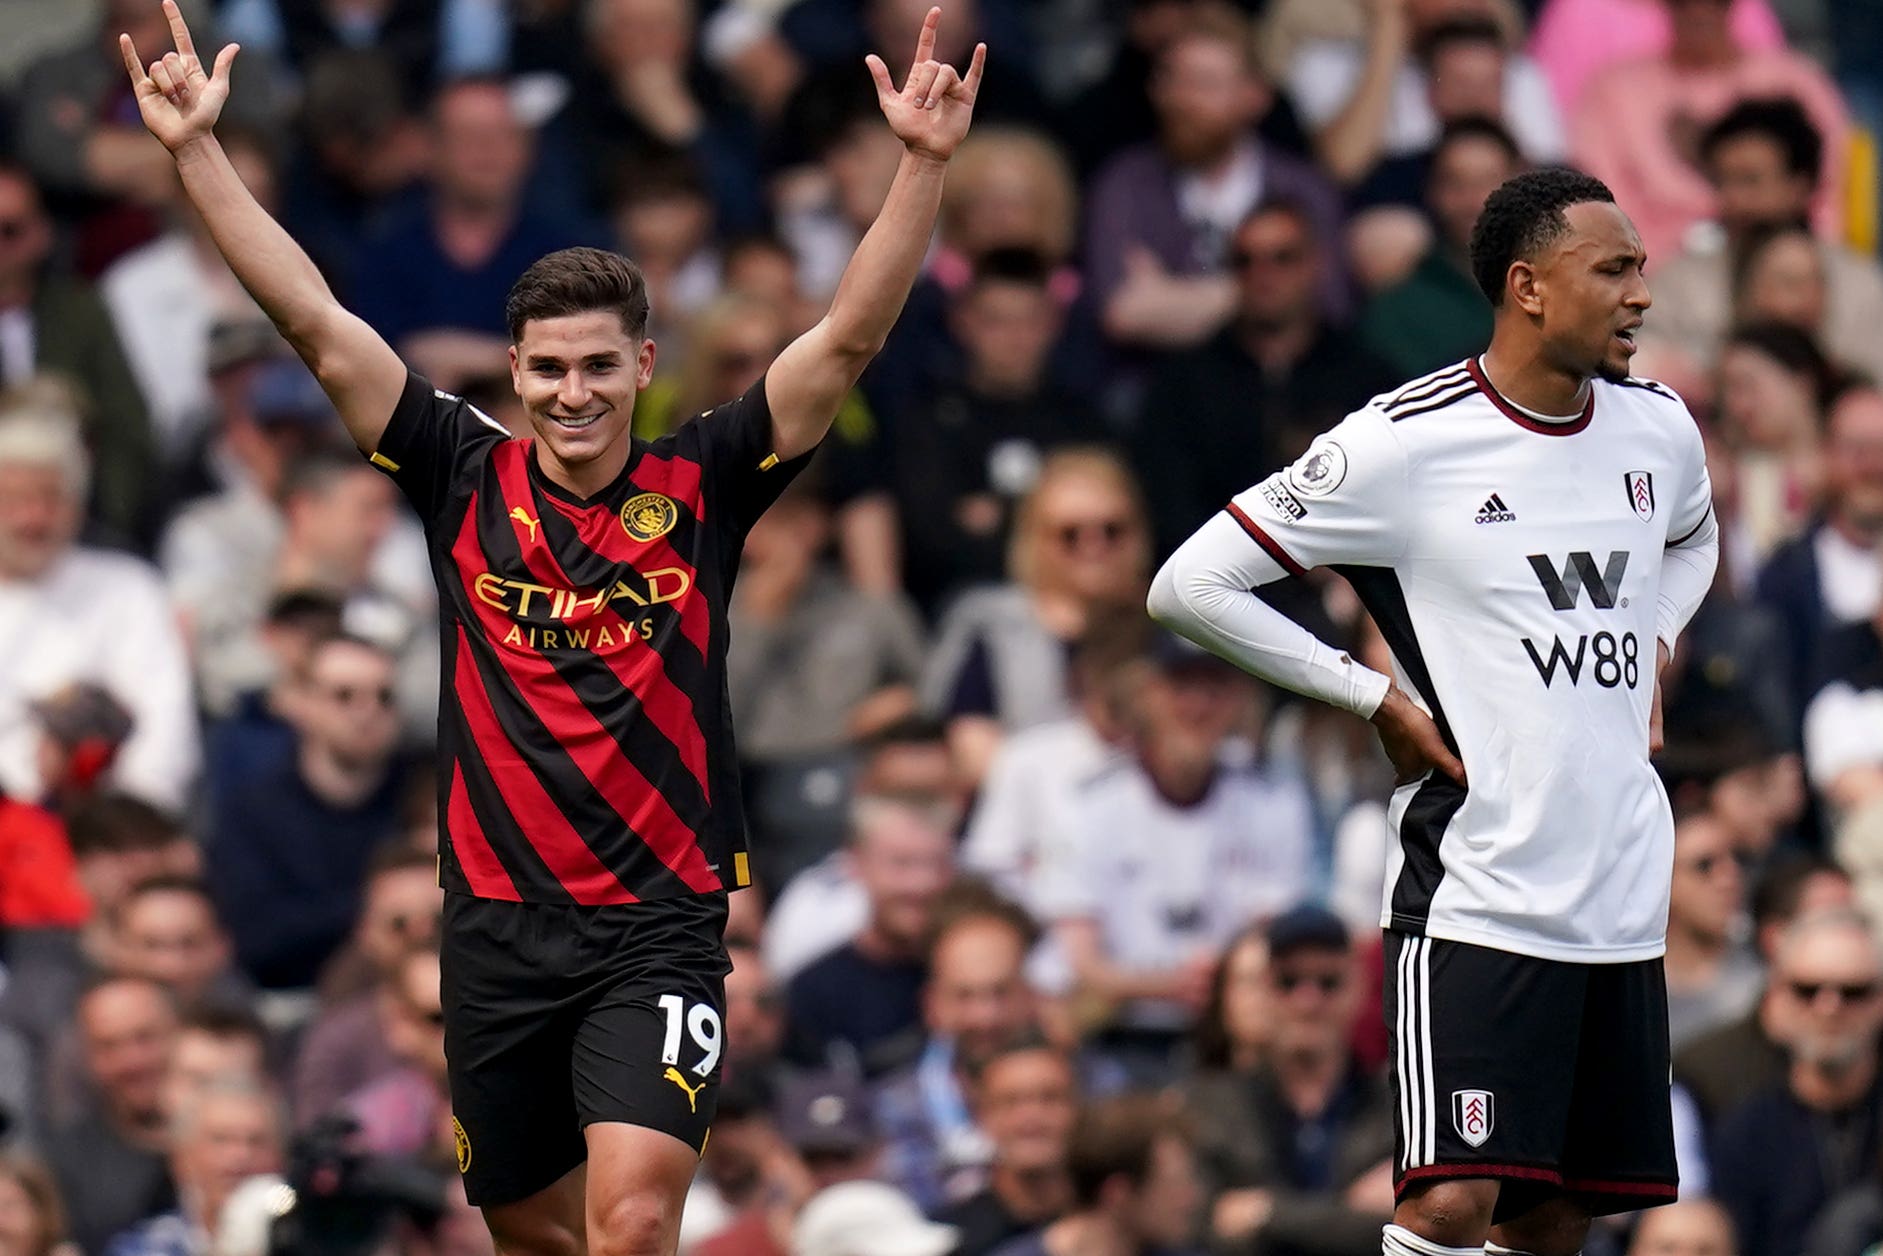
(591, 477)
(1521, 375)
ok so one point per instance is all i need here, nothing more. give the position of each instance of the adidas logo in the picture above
(1495, 511)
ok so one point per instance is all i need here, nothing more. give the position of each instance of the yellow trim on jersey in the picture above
(380, 460)
(771, 460)
(741, 869)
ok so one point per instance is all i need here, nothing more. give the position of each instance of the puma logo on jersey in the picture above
(522, 517)
(1495, 511)
(693, 1092)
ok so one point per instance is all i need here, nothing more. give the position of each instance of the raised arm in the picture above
(180, 103)
(930, 116)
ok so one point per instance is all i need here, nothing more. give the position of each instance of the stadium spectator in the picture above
(430, 42)
(1252, 397)
(1692, 1227)
(1025, 1096)
(32, 1216)
(751, 1182)
(641, 97)
(1080, 544)
(227, 1134)
(1764, 159)
(816, 666)
(348, 1045)
(977, 999)
(52, 323)
(39, 885)
(1637, 124)
(365, 152)
(864, 997)
(59, 631)
(1843, 752)
(214, 1044)
(166, 930)
(848, 162)
(1035, 776)
(1418, 66)
(825, 1118)
(407, 1113)
(1294, 1135)
(1436, 314)
(957, 454)
(825, 905)
(1781, 279)
(1134, 1184)
(166, 296)
(1725, 1066)
(1789, 1149)
(110, 1165)
(1379, 111)
(727, 345)
(1829, 576)
(287, 851)
(863, 1218)
(662, 217)
(755, 1022)
(1773, 386)
(1574, 39)
(1712, 976)
(1160, 214)
(255, 736)
(433, 281)
(1166, 856)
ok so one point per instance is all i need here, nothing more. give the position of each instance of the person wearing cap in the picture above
(70, 613)
(1166, 854)
(1296, 1143)
(1135, 1188)
(867, 1219)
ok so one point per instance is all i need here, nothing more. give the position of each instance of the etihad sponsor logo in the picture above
(523, 599)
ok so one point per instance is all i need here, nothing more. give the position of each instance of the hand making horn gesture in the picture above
(180, 101)
(931, 112)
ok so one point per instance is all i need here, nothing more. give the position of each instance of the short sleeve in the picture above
(743, 476)
(1343, 501)
(432, 436)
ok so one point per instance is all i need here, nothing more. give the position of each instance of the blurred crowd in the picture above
(1064, 935)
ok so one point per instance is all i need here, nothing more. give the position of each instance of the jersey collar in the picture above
(1523, 420)
(608, 493)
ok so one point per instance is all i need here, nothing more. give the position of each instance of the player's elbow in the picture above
(1169, 601)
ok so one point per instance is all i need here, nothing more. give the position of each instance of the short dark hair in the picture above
(1780, 119)
(1478, 127)
(577, 281)
(1460, 30)
(1290, 206)
(1780, 889)
(399, 855)
(1028, 1041)
(1523, 216)
(118, 824)
(1117, 1135)
(1795, 351)
(225, 1022)
(169, 883)
(972, 900)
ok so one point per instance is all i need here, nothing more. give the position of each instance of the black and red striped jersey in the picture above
(585, 743)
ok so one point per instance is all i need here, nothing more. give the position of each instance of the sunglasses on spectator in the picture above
(1108, 532)
(403, 924)
(1328, 983)
(349, 694)
(1854, 992)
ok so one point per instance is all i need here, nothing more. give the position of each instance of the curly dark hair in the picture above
(1521, 217)
(1780, 119)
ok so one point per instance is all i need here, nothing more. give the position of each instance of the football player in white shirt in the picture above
(1530, 529)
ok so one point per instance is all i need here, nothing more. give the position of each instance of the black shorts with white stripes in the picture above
(1550, 1076)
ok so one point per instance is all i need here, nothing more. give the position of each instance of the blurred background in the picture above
(1060, 928)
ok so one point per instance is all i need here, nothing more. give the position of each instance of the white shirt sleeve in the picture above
(1693, 553)
(1342, 502)
(150, 673)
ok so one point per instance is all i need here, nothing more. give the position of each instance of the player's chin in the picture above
(1615, 363)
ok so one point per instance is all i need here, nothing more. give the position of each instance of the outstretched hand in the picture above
(931, 112)
(180, 102)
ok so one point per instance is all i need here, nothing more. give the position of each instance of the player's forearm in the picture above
(275, 270)
(1202, 592)
(877, 281)
(1687, 573)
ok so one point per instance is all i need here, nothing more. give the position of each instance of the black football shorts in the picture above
(1552, 1077)
(558, 1016)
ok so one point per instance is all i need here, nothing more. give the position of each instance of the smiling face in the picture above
(578, 375)
(1588, 291)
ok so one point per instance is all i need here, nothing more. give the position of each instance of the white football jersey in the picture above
(1514, 566)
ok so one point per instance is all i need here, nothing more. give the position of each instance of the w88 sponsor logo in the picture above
(1609, 659)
